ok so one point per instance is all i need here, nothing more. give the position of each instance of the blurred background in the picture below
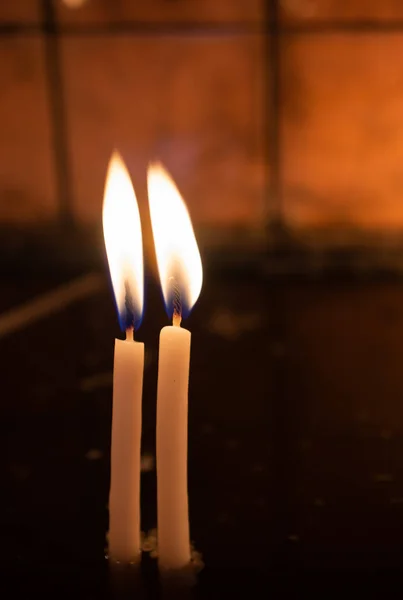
(281, 123)
(280, 120)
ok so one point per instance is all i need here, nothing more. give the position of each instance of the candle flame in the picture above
(123, 241)
(178, 257)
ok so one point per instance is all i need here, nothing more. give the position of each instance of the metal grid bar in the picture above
(144, 28)
(57, 114)
(140, 29)
(272, 74)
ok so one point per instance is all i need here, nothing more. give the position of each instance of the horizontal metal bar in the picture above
(323, 27)
(135, 28)
(141, 29)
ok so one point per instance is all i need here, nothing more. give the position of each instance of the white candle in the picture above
(124, 496)
(181, 277)
(123, 241)
(172, 438)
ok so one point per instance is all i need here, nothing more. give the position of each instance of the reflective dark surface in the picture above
(295, 435)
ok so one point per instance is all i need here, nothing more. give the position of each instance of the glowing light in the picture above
(178, 257)
(123, 241)
(74, 3)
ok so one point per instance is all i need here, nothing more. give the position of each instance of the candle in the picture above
(181, 276)
(123, 241)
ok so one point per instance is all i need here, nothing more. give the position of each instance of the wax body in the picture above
(172, 441)
(124, 495)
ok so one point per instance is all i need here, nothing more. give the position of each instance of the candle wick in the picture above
(176, 319)
(177, 302)
(129, 307)
(130, 334)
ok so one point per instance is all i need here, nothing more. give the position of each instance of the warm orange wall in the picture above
(342, 130)
(340, 10)
(201, 103)
(27, 186)
(193, 103)
(157, 11)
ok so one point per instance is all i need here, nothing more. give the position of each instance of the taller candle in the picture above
(181, 276)
(123, 241)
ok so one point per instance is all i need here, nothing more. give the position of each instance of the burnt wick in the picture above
(176, 301)
(129, 309)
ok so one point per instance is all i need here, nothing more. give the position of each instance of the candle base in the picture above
(125, 580)
(178, 583)
(129, 580)
(175, 583)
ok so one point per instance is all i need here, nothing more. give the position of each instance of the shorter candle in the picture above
(172, 443)
(181, 276)
(123, 241)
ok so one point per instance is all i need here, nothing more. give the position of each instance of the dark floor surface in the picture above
(295, 437)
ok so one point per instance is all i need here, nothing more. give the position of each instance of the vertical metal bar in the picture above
(57, 112)
(280, 415)
(275, 215)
